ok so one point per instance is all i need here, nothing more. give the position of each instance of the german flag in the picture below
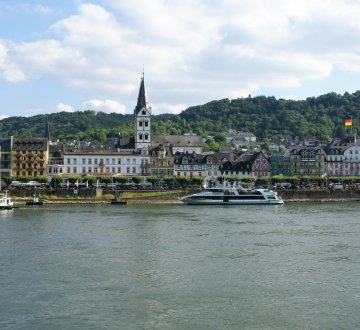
(348, 121)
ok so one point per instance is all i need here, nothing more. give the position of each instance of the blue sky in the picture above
(75, 55)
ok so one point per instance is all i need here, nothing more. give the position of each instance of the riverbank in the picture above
(320, 195)
(294, 196)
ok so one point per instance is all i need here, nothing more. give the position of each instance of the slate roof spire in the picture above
(141, 101)
(47, 130)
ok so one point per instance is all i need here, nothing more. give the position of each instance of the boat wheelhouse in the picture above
(6, 202)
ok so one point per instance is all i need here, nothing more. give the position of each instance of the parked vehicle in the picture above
(338, 186)
(16, 184)
(283, 185)
(33, 184)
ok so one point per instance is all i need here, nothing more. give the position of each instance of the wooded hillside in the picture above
(321, 117)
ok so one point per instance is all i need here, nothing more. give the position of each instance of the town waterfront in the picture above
(294, 266)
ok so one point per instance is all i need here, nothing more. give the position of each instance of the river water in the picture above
(295, 266)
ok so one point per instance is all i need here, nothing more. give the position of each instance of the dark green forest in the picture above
(321, 117)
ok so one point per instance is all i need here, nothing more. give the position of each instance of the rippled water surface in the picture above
(295, 266)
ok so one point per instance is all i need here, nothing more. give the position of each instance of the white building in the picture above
(129, 157)
(195, 165)
(343, 159)
(104, 163)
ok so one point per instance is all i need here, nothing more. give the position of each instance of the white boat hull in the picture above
(232, 196)
(231, 202)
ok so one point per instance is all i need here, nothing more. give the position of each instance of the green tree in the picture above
(136, 179)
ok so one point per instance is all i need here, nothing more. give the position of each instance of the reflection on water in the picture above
(294, 266)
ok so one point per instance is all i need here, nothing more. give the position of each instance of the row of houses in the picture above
(173, 156)
(179, 155)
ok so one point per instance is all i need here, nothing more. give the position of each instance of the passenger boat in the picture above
(6, 202)
(226, 194)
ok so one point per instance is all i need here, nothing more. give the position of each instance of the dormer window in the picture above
(143, 112)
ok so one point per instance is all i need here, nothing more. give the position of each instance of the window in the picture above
(140, 136)
(89, 161)
(74, 161)
(119, 161)
(84, 161)
(140, 123)
(146, 123)
(128, 170)
(68, 161)
(134, 170)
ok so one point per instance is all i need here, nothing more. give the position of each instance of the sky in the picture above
(74, 55)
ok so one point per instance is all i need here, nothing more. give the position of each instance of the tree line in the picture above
(320, 117)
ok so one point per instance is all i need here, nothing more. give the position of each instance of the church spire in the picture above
(47, 129)
(141, 101)
(142, 114)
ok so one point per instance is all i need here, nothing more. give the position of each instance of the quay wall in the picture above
(85, 195)
(319, 195)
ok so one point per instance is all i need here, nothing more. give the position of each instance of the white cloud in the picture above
(108, 106)
(9, 69)
(3, 117)
(193, 52)
(61, 107)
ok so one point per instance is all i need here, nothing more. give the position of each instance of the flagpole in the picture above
(0, 167)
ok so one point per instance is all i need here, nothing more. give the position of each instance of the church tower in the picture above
(142, 115)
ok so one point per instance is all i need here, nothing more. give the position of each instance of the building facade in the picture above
(104, 162)
(161, 161)
(29, 156)
(195, 165)
(280, 165)
(343, 158)
(5, 157)
(307, 161)
(55, 165)
(247, 165)
(180, 143)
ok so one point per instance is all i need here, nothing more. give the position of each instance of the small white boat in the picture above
(226, 194)
(6, 202)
